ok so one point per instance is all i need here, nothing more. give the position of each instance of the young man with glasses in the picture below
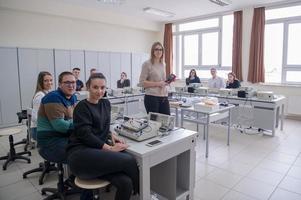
(55, 119)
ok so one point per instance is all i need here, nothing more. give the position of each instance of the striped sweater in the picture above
(55, 118)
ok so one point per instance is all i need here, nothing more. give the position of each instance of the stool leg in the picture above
(12, 155)
(96, 194)
(6, 162)
(12, 152)
(4, 157)
(24, 152)
(22, 157)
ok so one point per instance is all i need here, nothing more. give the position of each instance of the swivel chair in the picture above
(44, 167)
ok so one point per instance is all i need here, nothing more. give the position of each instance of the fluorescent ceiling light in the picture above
(114, 2)
(158, 12)
(222, 2)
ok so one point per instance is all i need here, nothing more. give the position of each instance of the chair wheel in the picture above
(43, 193)
(28, 161)
(29, 153)
(4, 168)
(24, 176)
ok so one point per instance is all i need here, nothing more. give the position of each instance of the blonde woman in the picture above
(44, 85)
(153, 79)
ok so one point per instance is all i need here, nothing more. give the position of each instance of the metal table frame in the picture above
(209, 116)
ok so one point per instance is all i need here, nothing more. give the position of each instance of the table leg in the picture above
(177, 117)
(182, 118)
(282, 117)
(144, 178)
(207, 137)
(204, 130)
(229, 124)
(197, 124)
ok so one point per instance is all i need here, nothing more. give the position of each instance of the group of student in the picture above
(121, 83)
(78, 133)
(215, 81)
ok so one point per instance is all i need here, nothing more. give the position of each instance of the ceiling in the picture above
(182, 9)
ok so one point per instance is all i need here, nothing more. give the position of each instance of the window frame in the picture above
(180, 66)
(286, 22)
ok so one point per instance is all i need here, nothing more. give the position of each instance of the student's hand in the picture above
(119, 147)
(117, 139)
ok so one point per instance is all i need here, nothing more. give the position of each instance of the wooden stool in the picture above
(94, 185)
(12, 155)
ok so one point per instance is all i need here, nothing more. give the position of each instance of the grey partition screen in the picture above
(31, 63)
(9, 87)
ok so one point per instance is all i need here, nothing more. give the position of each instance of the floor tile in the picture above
(236, 167)
(233, 195)
(281, 194)
(17, 190)
(275, 166)
(282, 157)
(254, 188)
(295, 172)
(224, 178)
(266, 176)
(205, 189)
(9, 178)
(291, 184)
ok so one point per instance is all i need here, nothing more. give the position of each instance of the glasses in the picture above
(158, 49)
(69, 83)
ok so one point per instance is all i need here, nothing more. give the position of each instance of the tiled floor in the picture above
(252, 167)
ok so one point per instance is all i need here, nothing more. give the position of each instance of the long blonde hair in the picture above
(40, 81)
(153, 51)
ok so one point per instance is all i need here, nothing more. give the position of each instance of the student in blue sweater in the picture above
(54, 122)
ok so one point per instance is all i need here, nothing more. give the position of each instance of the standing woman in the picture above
(89, 155)
(44, 85)
(152, 78)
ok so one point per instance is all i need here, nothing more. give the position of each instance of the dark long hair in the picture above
(193, 70)
(94, 76)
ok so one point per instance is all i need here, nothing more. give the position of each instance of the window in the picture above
(203, 44)
(191, 49)
(282, 58)
(209, 23)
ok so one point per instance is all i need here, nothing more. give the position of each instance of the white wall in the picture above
(27, 29)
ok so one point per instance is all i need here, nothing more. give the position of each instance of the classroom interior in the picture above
(115, 36)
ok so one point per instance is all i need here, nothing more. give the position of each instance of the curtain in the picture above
(168, 46)
(237, 45)
(256, 60)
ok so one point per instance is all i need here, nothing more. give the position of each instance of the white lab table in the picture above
(266, 113)
(223, 112)
(168, 168)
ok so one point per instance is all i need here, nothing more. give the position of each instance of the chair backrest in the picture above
(29, 115)
(22, 115)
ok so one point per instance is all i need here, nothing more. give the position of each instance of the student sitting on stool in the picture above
(89, 155)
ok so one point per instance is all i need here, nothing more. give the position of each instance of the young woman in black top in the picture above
(123, 81)
(193, 78)
(89, 156)
(232, 82)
